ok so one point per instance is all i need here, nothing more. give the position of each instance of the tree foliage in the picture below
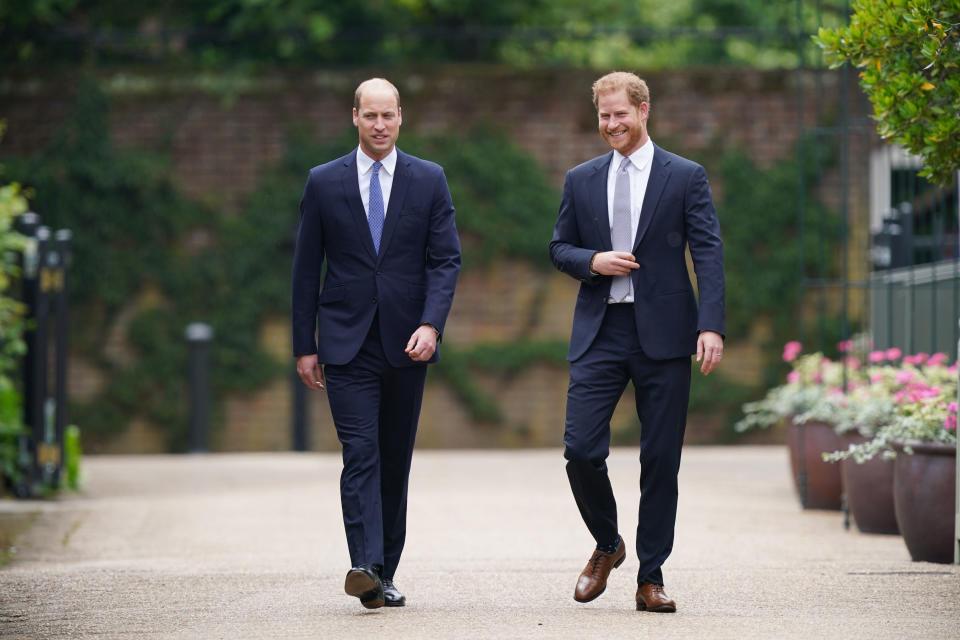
(908, 53)
(12, 204)
(229, 33)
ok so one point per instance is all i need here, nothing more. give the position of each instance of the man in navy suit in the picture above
(625, 220)
(382, 222)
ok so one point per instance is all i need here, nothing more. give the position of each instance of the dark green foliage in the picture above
(456, 368)
(12, 347)
(505, 203)
(130, 229)
(133, 230)
(908, 54)
(240, 34)
(766, 252)
(719, 396)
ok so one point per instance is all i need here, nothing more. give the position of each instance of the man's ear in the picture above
(354, 116)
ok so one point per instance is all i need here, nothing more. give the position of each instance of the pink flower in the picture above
(877, 377)
(793, 376)
(952, 407)
(903, 377)
(950, 422)
(817, 377)
(893, 353)
(852, 362)
(920, 358)
(936, 359)
(844, 346)
(953, 368)
(910, 360)
(877, 356)
(791, 350)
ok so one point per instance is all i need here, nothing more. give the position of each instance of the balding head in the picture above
(377, 117)
(375, 85)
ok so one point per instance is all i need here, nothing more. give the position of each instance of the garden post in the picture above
(300, 412)
(198, 336)
(61, 345)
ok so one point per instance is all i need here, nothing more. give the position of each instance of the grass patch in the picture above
(12, 526)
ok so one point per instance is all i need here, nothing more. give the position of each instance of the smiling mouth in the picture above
(616, 134)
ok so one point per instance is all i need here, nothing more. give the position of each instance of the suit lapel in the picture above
(398, 192)
(351, 192)
(597, 187)
(659, 176)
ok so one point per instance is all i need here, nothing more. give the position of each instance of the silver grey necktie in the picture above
(621, 232)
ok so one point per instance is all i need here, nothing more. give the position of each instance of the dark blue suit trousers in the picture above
(661, 388)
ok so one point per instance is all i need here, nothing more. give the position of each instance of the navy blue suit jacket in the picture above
(411, 281)
(677, 211)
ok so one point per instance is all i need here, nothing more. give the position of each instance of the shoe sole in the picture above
(394, 603)
(600, 593)
(641, 606)
(360, 585)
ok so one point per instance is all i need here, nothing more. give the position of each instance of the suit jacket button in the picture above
(374, 300)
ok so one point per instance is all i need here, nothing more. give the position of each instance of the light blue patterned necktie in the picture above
(375, 206)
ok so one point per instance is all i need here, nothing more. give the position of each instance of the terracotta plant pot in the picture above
(869, 490)
(817, 482)
(924, 495)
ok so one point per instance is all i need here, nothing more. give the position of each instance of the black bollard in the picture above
(301, 440)
(198, 336)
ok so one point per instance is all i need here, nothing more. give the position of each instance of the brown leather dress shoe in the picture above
(650, 597)
(593, 580)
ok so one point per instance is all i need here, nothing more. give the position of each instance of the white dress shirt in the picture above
(365, 170)
(639, 171)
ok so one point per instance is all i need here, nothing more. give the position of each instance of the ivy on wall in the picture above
(141, 248)
(148, 256)
(768, 248)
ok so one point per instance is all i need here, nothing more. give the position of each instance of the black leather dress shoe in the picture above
(363, 582)
(391, 596)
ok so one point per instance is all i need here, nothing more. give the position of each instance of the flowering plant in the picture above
(886, 397)
(810, 376)
(919, 400)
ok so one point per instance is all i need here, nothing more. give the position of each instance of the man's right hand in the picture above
(614, 263)
(311, 372)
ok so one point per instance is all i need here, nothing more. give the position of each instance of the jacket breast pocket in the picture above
(413, 212)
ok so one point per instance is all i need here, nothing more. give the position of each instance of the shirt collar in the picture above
(641, 158)
(365, 162)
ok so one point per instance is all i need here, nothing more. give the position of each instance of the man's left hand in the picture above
(422, 344)
(709, 350)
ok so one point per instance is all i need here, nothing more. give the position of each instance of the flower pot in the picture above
(924, 494)
(817, 482)
(869, 490)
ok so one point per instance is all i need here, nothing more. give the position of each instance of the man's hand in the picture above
(709, 350)
(310, 372)
(614, 263)
(422, 344)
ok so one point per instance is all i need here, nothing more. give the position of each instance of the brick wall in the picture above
(219, 143)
